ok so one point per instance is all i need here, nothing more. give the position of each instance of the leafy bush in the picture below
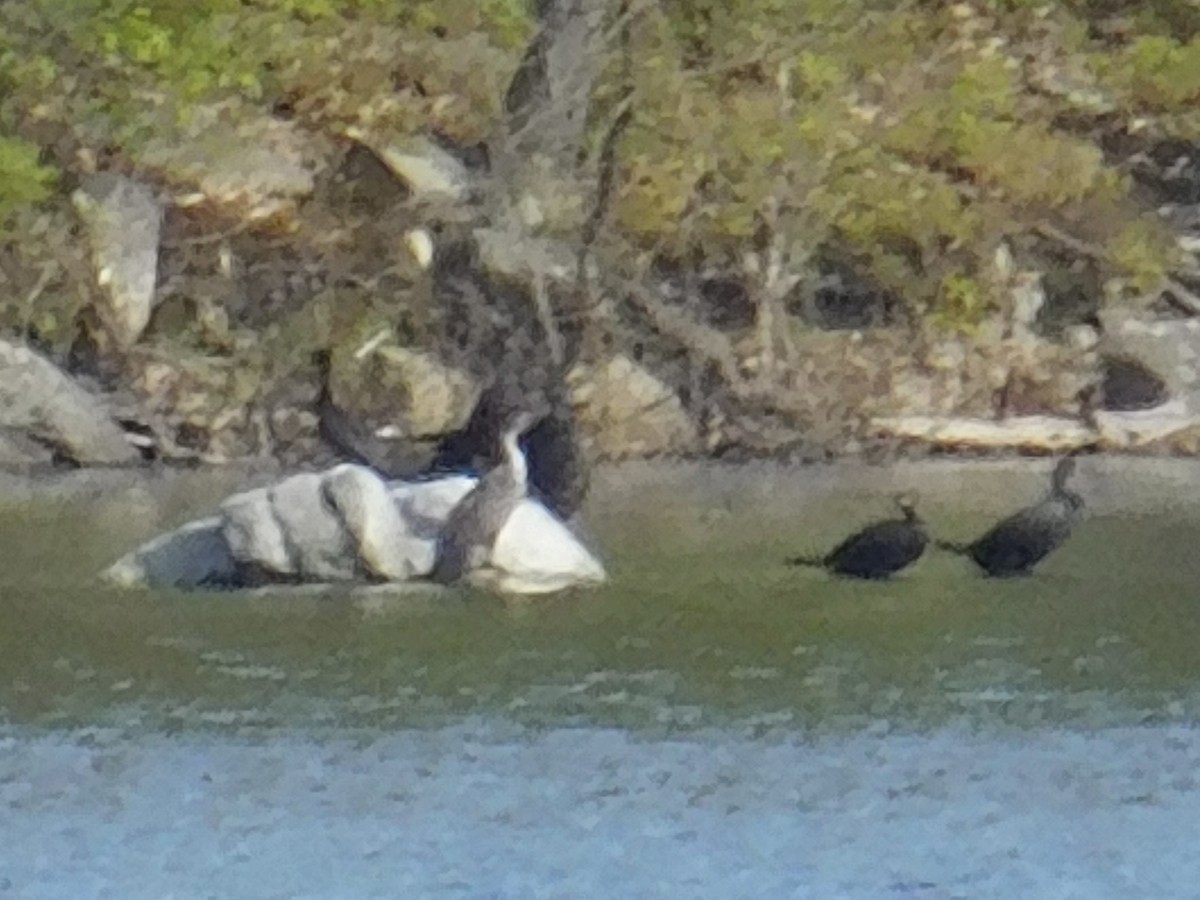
(930, 132)
(910, 137)
(23, 179)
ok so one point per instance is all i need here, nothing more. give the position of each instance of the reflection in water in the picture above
(701, 625)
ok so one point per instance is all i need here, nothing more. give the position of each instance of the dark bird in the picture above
(558, 476)
(517, 378)
(469, 535)
(492, 330)
(1020, 542)
(879, 550)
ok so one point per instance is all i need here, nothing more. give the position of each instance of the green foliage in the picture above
(178, 53)
(1136, 250)
(911, 136)
(24, 181)
(1154, 73)
(961, 304)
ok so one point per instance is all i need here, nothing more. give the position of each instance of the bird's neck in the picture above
(515, 458)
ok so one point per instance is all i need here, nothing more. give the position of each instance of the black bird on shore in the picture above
(1020, 542)
(878, 551)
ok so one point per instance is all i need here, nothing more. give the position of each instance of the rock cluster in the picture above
(347, 526)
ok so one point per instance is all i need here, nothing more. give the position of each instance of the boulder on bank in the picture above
(124, 219)
(347, 526)
(625, 411)
(38, 399)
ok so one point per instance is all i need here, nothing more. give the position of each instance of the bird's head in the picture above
(906, 502)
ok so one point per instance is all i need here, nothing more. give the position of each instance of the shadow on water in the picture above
(700, 625)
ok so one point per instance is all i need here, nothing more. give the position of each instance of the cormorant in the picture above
(1020, 542)
(879, 550)
(469, 535)
(492, 331)
(558, 476)
(503, 356)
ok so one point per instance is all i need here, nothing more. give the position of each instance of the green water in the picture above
(700, 624)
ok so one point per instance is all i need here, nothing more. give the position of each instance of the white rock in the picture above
(386, 548)
(346, 524)
(318, 541)
(536, 553)
(252, 533)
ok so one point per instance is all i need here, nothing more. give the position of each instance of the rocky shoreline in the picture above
(217, 291)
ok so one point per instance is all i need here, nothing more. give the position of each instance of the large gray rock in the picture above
(437, 398)
(288, 531)
(251, 532)
(320, 545)
(18, 450)
(123, 218)
(386, 547)
(36, 397)
(256, 167)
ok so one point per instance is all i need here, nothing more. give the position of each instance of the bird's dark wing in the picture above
(1015, 544)
(884, 545)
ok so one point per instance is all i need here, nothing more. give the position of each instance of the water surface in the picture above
(701, 624)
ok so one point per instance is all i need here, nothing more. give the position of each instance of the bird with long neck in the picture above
(878, 551)
(1018, 543)
(526, 372)
(469, 535)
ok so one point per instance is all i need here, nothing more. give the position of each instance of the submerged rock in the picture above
(193, 556)
(346, 525)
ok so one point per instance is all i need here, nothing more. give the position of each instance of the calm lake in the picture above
(701, 623)
(703, 658)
